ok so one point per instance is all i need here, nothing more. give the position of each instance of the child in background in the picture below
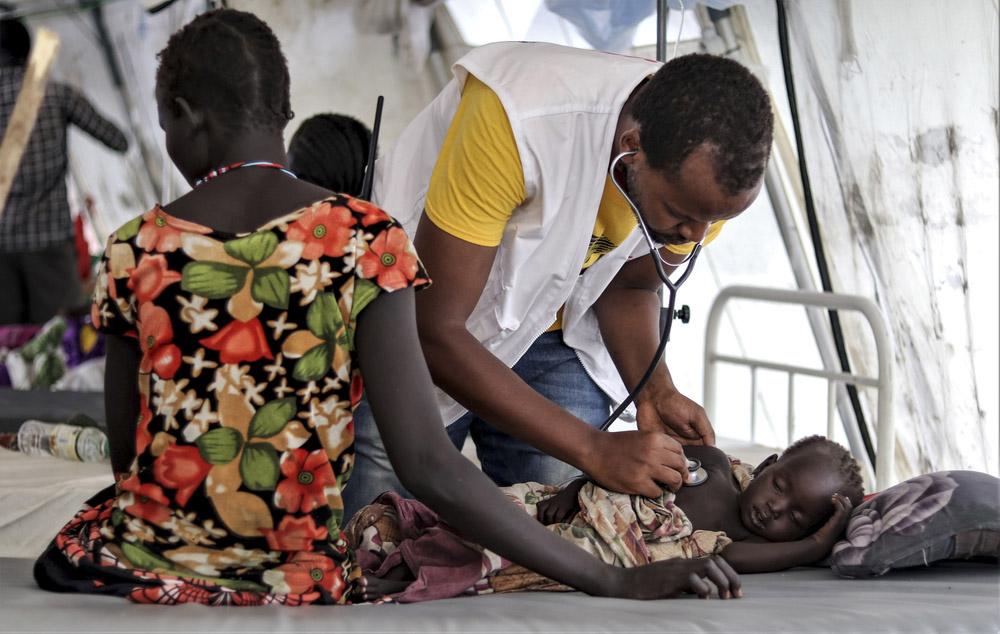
(331, 150)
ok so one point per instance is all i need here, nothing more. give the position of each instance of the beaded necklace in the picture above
(219, 171)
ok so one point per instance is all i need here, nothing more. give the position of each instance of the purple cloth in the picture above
(442, 564)
(14, 336)
(73, 341)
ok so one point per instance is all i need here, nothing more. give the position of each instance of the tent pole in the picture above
(662, 17)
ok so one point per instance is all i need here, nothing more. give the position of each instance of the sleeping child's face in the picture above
(790, 498)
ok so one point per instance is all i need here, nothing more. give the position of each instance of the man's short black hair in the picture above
(228, 62)
(331, 150)
(698, 99)
(15, 40)
(847, 467)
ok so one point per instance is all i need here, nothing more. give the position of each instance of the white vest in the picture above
(563, 105)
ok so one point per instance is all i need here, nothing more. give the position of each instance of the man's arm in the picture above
(750, 556)
(80, 113)
(628, 313)
(632, 462)
(121, 399)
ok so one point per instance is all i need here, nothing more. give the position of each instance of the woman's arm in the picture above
(751, 557)
(398, 386)
(121, 399)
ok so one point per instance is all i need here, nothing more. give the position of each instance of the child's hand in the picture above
(829, 533)
(562, 506)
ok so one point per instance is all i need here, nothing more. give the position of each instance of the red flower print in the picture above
(389, 259)
(372, 213)
(149, 279)
(150, 502)
(239, 341)
(181, 468)
(306, 477)
(325, 230)
(161, 232)
(294, 533)
(357, 388)
(142, 436)
(305, 571)
(95, 315)
(155, 335)
(246, 598)
(173, 593)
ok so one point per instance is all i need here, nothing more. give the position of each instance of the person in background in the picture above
(38, 261)
(331, 150)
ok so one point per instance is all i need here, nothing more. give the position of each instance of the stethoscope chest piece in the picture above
(698, 474)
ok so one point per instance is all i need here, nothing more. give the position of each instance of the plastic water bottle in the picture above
(92, 445)
(70, 442)
(33, 438)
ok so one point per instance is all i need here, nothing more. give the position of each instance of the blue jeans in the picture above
(551, 368)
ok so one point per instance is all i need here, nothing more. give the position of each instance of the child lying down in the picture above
(787, 512)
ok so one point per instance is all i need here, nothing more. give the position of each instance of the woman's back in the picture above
(247, 381)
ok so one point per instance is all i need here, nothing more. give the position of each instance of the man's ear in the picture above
(191, 115)
(770, 460)
(629, 141)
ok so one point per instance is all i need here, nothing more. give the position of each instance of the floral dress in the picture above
(247, 384)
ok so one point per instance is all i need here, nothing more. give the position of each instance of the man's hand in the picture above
(636, 462)
(671, 412)
(829, 533)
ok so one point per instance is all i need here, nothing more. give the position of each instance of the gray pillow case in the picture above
(943, 515)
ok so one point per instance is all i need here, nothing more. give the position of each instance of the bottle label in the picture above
(62, 442)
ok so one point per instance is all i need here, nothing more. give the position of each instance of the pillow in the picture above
(943, 515)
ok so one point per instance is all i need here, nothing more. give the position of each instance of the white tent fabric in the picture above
(899, 111)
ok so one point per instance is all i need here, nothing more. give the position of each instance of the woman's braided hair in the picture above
(228, 62)
(331, 150)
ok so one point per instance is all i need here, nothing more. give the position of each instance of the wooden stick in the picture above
(25, 113)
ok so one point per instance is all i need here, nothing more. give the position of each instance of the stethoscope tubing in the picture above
(671, 290)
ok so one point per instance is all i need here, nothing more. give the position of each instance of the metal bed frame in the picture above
(884, 473)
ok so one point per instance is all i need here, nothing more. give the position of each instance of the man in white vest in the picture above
(544, 308)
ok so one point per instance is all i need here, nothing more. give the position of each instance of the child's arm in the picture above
(562, 506)
(772, 556)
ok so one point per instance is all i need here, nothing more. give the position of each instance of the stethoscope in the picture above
(698, 473)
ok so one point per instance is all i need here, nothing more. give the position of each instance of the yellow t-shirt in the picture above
(478, 182)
